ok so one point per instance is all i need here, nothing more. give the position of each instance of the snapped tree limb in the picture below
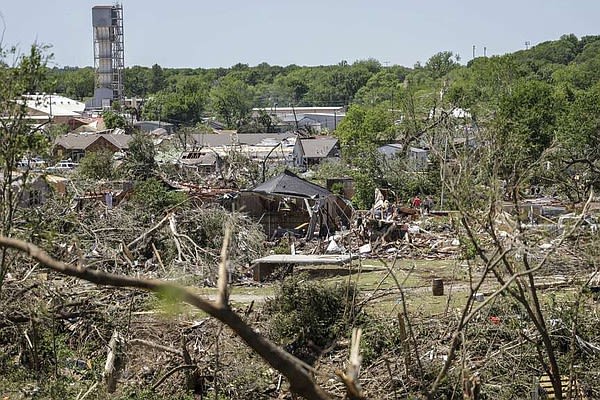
(297, 373)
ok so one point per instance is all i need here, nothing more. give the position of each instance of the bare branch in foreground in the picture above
(297, 373)
(223, 300)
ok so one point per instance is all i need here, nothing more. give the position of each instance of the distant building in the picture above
(51, 107)
(256, 146)
(418, 157)
(316, 118)
(109, 58)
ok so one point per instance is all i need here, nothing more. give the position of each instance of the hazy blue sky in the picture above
(221, 33)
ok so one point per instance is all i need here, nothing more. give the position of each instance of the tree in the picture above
(140, 161)
(524, 124)
(157, 79)
(184, 103)
(364, 124)
(97, 165)
(18, 136)
(137, 81)
(575, 160)
(153, 195)
(78, 83)
(113, 120)
(231, 99)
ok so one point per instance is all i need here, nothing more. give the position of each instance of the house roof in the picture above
(318, 147)
(197, 158)
(83, 141)
(289, 184)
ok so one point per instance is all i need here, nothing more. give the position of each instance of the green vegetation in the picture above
(155, 197)
(307, 316)
(113, 120)
(97, 166)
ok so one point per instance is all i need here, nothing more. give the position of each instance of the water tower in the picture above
(109, 57)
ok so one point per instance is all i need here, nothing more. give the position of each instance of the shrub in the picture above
(97, 165)
(306, 316)
(154, 196)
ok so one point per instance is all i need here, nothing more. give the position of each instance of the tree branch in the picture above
(297, 373)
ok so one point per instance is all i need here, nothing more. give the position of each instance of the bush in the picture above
(306, 316)
(154, 196)
(97, 165)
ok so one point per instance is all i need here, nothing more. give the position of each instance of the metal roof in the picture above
(228, 139)
(58, 106)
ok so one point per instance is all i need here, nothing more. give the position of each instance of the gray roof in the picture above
(289, 184)
(318, 147)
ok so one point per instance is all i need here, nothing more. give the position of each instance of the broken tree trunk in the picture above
(111, 366)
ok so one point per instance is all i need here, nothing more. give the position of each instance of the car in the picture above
(34, 163)
(63, 165)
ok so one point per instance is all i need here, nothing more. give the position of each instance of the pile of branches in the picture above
(126, 239)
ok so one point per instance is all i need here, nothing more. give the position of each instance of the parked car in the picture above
(31, 163)
(63, 165)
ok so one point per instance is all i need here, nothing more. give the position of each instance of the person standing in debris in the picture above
(416, 203)
(428, 204)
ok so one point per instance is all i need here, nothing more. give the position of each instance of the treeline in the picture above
(184, 95)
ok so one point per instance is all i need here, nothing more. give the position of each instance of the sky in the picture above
(221, 33)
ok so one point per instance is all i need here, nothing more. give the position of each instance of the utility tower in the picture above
(109, 56)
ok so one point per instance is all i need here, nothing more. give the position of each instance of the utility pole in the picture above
(527, 43)
(473, 51)
(484, 51)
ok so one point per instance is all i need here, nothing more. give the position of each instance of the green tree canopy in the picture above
(231, 99)
(140, 162)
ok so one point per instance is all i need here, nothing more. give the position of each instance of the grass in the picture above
(370, 277)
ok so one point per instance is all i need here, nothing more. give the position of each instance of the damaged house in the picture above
(206, 163)
(290, 204)
(37, 189)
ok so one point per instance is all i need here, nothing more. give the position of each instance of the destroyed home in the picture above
(278, 147)
(205, 163)
(288, 203)
(38, 188)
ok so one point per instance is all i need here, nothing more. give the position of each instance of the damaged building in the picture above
(290, 204)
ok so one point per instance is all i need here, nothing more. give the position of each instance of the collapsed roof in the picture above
(289, 184)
